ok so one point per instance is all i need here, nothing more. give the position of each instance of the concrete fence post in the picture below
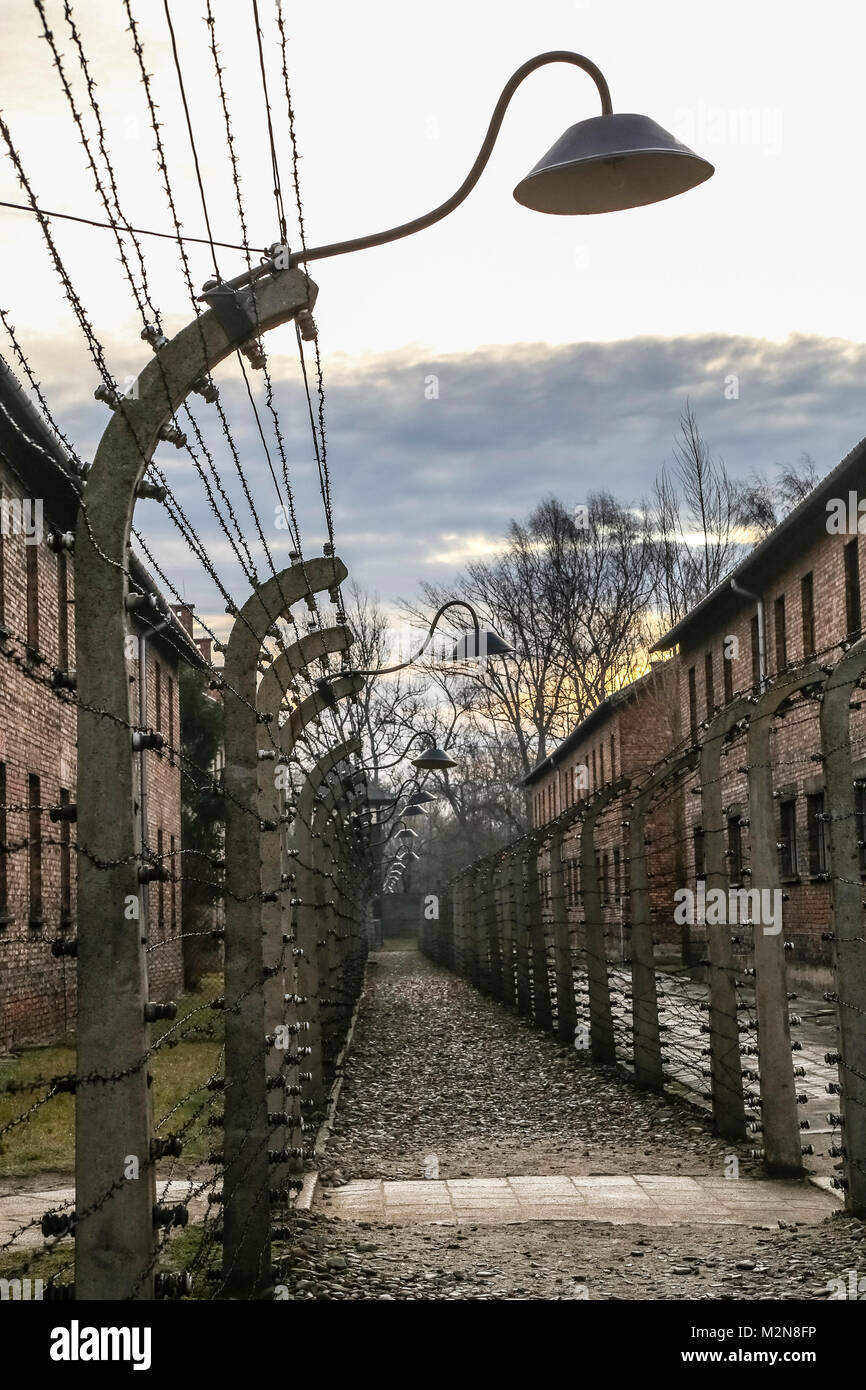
(601, 1035)
(566, 1012)
(523, 969)
(247, 1176)
(849, 943)
(116, 1239)
(491, 930)
(542, 1015)
(729, 1115)
(508, 918)
(781, 1129)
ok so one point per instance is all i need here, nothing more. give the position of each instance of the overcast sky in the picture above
(562, 348)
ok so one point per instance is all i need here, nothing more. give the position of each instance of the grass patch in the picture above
(44, 1142)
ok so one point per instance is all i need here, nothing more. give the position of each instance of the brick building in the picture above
(793, 601)
(624, 736)
(802, 599)
(39, 498)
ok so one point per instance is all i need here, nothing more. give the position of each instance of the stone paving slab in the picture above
(644, 1199)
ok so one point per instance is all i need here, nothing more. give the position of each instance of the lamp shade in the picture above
(433, 759)
(487, 643)
(608, 163)
(407, 833)
(419, 798)
(412, 811)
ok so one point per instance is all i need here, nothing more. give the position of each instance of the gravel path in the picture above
(437, 1070)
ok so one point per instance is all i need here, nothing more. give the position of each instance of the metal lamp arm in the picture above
(389, 670)
(339, 248)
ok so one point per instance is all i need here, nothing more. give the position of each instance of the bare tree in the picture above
(695, 516)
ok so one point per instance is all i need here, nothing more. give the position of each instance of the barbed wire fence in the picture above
(545, 926)
(225, 1153)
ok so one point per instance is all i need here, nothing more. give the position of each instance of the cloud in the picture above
(420, 485)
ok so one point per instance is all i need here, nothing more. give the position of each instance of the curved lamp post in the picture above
(605, 164)
(479, 643)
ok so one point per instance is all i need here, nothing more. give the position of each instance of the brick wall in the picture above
(38, 767)
(624, 738)
(796, 740)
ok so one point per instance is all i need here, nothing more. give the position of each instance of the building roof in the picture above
(581, 731)
(28, 442)
(773, 554)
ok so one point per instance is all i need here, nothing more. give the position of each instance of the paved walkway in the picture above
(640, 1200)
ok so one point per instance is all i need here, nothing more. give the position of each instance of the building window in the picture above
(859, 822)
(700, 852)
(735, 851)
(31, 563)
(728, 677)
(157, 688)
(693, 703)
(756, 652)
(62, 612)
(594, 776)
(852, 588)
(709, 684)
(781, 639)
(601, 763)
(34, 841)
(4, 879)
(807, 612)
(819, 850)
(170, 698)
(612, 757)
(65, 865)
(617, 874)
(173, 888)
(788, 838)
(160, 888)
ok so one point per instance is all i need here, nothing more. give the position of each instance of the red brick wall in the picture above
(796, 736)
(37, 737)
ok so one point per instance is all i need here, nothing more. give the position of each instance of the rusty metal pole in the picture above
(115, 1239)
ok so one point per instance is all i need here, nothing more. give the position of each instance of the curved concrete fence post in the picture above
(522, 959)
(115, 1246)
(848, 927)
(602, 1039)
(276, 682)
(566, 1012)
(247, 1178)
(645, 1003)
(291, 1065)
(508, 915)
(781, 1129)
(306, 927)
(729, 1114)
(542, 1013)
(495, 913)
(493, 984)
